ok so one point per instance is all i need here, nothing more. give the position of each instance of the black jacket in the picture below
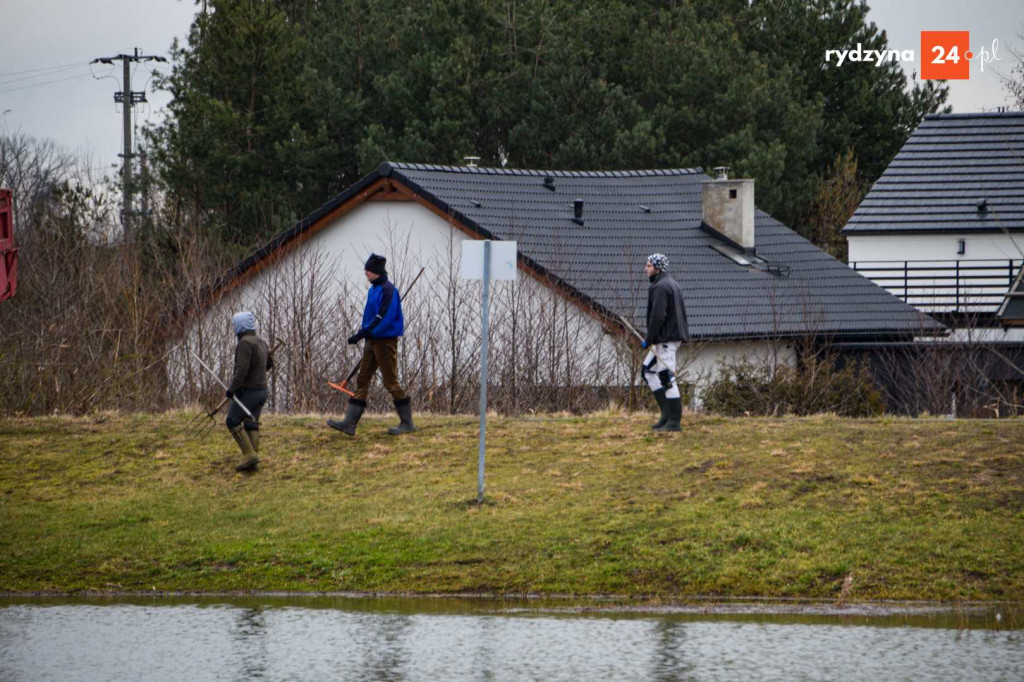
(252, 360)
(666, 314)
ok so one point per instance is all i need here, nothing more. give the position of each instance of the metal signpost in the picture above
(486, 260)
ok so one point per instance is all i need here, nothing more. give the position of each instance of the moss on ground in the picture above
(912, 509)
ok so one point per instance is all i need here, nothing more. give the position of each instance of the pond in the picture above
(310, 638)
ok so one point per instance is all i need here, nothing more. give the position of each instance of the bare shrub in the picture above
(819, 384)
(960, 378)
(87, 329)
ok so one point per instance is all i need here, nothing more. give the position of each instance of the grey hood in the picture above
(243, 322)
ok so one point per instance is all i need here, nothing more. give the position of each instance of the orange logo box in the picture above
(946, 55)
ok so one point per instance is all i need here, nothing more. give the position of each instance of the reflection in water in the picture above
(381, 645)
(250, 643)
(670, 660)
(274, 642)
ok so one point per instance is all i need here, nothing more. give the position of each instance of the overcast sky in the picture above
(48, 89)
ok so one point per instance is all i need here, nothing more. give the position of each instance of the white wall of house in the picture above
(411, 236)
(340, 250)
(700, 364)
(933, 282)
(934, 247)
(980, 336)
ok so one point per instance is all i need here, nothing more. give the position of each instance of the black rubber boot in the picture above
(674, 407)
(353, 413)
(659, 395)
(405, 425)
(251, 461)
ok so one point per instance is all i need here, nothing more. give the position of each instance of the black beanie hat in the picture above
(375, 264)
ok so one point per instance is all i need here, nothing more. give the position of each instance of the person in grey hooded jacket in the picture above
(666, 330)
(249, 385)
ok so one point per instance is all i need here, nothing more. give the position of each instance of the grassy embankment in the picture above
(914, 509)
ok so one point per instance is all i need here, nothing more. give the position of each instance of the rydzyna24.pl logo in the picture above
(945, 55)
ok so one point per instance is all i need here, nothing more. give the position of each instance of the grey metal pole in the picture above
(483, 370)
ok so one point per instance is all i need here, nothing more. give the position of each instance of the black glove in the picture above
(357, 337)
(229, 394)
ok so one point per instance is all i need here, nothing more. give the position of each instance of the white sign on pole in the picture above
(503, 260)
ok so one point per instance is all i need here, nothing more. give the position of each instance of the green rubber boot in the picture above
(254, 438)
(251, 461)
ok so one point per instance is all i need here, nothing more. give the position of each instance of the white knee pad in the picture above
(650, 372)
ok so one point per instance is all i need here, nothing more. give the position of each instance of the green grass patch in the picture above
(912, 509)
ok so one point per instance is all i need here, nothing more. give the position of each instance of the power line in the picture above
(45, 68)
(49, 72)
(37, 85)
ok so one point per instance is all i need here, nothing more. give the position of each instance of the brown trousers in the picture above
(379, 354)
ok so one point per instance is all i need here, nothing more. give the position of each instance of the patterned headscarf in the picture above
(659, 261)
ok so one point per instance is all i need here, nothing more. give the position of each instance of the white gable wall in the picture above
(560, 343)
(411, 236)
(377, 227)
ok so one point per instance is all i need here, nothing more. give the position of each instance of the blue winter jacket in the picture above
(382, 317)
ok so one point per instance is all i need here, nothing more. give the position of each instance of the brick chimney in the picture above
(728, 208)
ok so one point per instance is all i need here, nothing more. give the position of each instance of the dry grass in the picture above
(915, 509)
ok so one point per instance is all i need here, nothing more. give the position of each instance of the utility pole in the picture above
(144, 188)
(128, 99)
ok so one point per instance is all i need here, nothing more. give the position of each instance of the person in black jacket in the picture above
(666, 330)
(249, 385)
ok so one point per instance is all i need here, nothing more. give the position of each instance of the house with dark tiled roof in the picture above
(752, 285)
(943, 230)
(943, 227)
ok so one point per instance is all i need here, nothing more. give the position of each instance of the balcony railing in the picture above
(967, 286)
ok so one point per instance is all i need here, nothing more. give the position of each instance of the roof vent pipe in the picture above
(549, 183)
(577, 211)
(471, 160)
(721, 172)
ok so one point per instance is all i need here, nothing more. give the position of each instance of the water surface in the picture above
(346, 639)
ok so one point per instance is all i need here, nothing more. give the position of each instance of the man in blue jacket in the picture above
(383, 324)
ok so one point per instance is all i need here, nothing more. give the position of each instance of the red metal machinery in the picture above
(8, 254)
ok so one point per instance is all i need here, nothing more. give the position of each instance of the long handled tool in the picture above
(631, 328)
(225, 386)
(343, 386)
(196, 426)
